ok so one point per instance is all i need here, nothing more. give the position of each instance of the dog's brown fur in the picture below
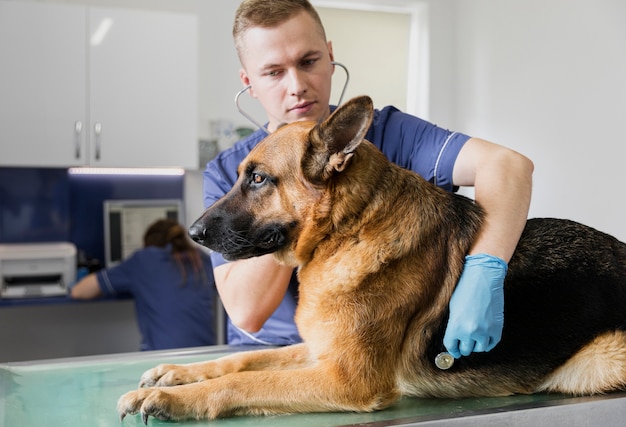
(380, 251)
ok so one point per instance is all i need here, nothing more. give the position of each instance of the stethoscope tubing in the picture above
(262, 127)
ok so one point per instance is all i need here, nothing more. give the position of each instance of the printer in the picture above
(36, 269)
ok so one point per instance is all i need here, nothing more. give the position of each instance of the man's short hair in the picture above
(268, 14)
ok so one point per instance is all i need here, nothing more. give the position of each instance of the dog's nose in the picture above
(197, 232)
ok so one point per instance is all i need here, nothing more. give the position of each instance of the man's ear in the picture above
(245, 80)
(330, 53)
(332, 143)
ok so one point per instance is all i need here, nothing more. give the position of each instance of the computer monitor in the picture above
(126, 221)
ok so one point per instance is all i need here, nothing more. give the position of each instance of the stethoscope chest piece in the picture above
(444, 361)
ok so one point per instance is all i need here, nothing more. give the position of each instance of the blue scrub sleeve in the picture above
(417, 145)
(114, 281)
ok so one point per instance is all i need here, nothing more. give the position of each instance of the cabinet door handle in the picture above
(78, 128)
(97, 128)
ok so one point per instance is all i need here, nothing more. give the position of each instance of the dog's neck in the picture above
(373, 195)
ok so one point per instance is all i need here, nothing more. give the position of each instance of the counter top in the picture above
(60, 299)
(84, 391)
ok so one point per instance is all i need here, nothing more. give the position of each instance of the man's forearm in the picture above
(252, 289)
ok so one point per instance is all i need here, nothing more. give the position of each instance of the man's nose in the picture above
(297, 82)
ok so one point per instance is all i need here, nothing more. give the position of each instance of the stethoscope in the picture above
(260, 126)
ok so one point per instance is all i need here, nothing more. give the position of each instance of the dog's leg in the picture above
(600, 366)
(290, 357)
(319, 388)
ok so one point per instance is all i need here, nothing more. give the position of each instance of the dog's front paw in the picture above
(167, 375)
(147, 401)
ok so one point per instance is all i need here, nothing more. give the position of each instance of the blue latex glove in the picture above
(477, 307)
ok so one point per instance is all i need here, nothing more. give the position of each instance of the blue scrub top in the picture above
(170, 313)
(406, 140)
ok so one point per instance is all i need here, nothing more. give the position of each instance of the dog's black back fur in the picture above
(566, 285)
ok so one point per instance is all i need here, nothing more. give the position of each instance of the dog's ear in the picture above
(332, 142)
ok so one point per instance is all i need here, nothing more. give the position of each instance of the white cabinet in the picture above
(143, 79)
(43, 84)
(94, 86)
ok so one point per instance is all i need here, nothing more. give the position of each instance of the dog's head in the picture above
(280, 182)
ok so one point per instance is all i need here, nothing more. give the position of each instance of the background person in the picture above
(171, 280)
(287, 61)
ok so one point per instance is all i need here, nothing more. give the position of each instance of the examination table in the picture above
(84, 391)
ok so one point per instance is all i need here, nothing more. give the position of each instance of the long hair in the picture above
(165, 232)
(268, 14)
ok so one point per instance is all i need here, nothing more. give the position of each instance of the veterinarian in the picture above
(287, 62)
(172, 283)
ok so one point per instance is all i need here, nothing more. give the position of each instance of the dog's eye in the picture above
(257, 178)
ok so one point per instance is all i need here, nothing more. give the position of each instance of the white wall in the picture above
(343, 27)
(548, 78)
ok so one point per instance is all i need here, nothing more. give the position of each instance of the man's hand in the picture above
(477, 307)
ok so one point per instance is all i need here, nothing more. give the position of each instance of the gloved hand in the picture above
(477, 307)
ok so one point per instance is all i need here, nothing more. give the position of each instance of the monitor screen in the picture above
(126, 221)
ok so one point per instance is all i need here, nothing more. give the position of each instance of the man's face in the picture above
(289, 68)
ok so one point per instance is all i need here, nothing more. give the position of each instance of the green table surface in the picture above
(84, 391)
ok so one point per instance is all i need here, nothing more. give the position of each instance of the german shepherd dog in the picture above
(379, 252)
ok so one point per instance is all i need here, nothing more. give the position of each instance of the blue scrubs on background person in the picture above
(170, 314)
(406, 140)
(171, 281)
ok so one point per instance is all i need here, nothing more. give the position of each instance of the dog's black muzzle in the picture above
(237, 239)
